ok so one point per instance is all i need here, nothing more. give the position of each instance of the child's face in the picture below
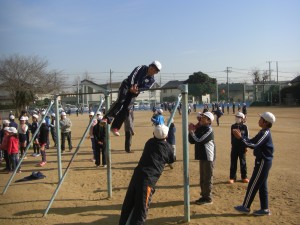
(205, 121)
(238, 119)
(262, 123)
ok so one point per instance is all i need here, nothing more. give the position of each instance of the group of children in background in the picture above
(14, 139)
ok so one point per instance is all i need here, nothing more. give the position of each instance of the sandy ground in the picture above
(83, 197)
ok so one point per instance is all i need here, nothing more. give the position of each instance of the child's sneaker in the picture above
(262, 212)
(204, 201)
(246, 180)
(34, 155)
(242, 209)
(42, 164)
(231, 181)
(115, 131)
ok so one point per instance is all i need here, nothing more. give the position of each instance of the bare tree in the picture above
(256, 76)
(23, 77)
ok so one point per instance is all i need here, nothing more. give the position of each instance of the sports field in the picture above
(82, 198)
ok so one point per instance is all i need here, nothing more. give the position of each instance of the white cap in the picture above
(26, 117)
(53, 114)
(35, 116)
(44, 121)
(43, 113)
(23, 118)
(157, 64)
(241, 115)
(267, 116)
(92, 114)
(13, 130)
(209, 115)
(160, 111)
(12, 117)
(199, 114)
(63, 114)
(99, 113)
(161, 131)
(6, 122)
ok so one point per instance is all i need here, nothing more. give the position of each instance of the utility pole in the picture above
(277, 70)
(78, 93)
(228, 71)
(110, 85)
(269, 70)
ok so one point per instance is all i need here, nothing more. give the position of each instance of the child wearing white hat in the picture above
(22, 130)
(238, 150)
(263, 150)
(157, 152)
(13, 148)
(205, 152)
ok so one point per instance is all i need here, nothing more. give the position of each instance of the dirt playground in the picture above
(83, 197)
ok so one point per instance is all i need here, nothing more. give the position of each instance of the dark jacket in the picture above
(236, 143)
(44, 132)
(171, 134)
(262, 144)
(203, 138)
(139, 76)
(34, 127)
(152, 162)
(99, 133)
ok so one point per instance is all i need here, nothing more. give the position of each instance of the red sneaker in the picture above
(115, 131)
(42, 164)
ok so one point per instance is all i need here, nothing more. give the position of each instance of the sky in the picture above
(96, 36)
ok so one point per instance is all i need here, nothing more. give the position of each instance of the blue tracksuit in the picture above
(119, 110)
(238, 151)
(263, 151)
(158, 119)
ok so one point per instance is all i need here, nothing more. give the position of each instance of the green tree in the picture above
(200, 84)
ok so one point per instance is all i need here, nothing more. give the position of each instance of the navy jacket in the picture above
(99, 133)
(262, 144)
(139, 76)
(171, 134)
(236, 143)
(44, 131)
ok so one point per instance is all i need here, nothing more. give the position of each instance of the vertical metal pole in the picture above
(25, 152)
(277, 70)
(217, 91)
(83, 91)
(58, 140)
(78, 93)
(108, 150)
(279, 89)
(184, 92)
(244, 92)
